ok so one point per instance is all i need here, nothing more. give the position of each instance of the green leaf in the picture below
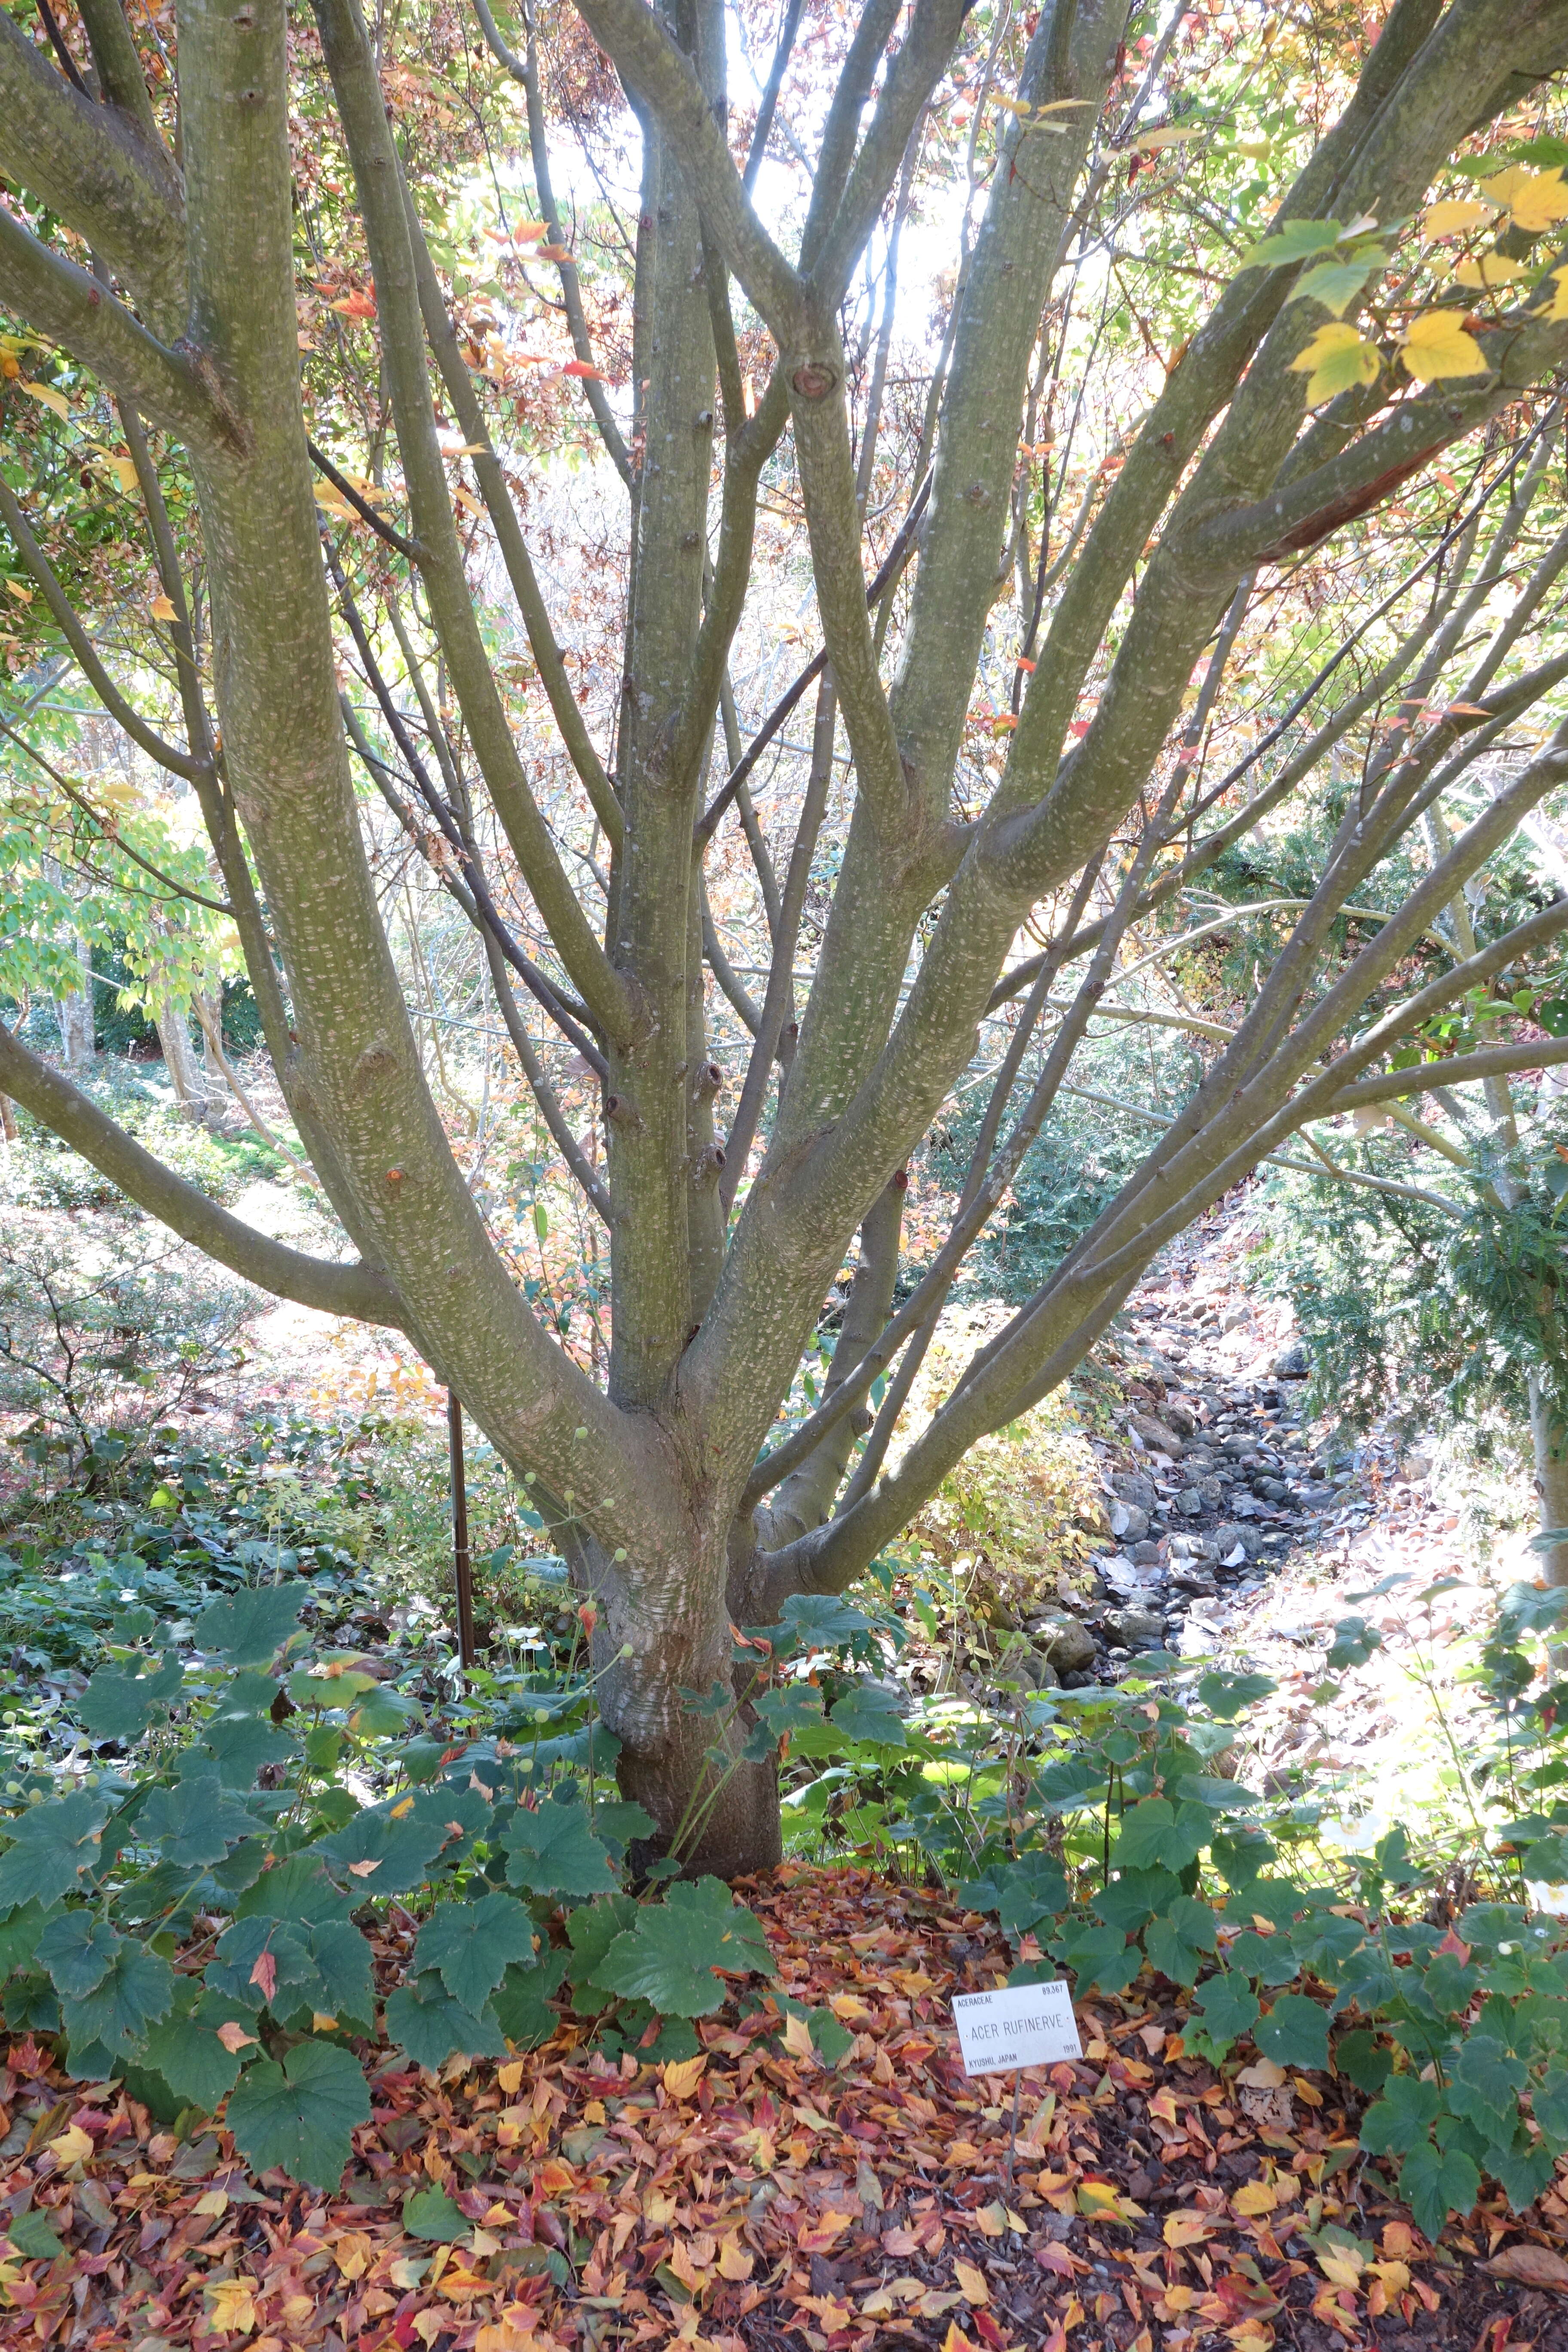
(1177, 1941)
(300, 2115)
(1486, 2068)
(669, 1957)
(1133, 1897)
(424, 2019)
(1295, 2033)
(249, 1628)
(1336, 284)
(591, 1929)
(20, 1935)
(297, 1889)
(1363, 2060)
(1522, 2168)
(1028, 1891)
(470, 1944)
(869, 1712)
(1296, 240)
(1226, 1695)
(57, 1844)
(32, 2238)
(185, 2051)
(554, 1851)
(116, 1705)
(522, 2006)
(391, 1855)
(1229, 2007)
(429, 2213)
(382, 1713)
(1353, 1644)
(1403, 2115)
(1156, 1834)
(1549, 2104)
(1098, 1956)
(194, 1823)
(1435, 2182)
(76, 1952)
(134, 1991)
(237, 1746)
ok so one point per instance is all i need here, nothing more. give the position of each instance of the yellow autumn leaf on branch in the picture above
(1437, 345)
(161, 609)
(1334, 362)
(1489, 269)
(46, 393)
(1455, 214)
(1557, 306)
(1535, 199)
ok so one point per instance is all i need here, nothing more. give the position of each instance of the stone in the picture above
(1134, 1629)
(1193, 1575)
(1179, 1417)
(1133, 1486)
(1273, 1490)
(1227, 1539)
(1313, 1498)
(1146, 1554)
(1155, 1435)
(1292, 1363)
(1190, 1503)
(1233, 1318)
(1064, 1644)
(1032, 1668)
(1127, 1521)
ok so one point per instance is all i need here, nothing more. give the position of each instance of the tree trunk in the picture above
(215, 1086)
(1548, 1436)
(179, 1058)
(7, 1120)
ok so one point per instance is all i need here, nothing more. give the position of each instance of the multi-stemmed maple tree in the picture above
(152, 239)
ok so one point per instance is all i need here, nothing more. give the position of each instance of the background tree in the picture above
(1028, 694)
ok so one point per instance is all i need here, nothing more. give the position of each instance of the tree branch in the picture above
(352, 1290)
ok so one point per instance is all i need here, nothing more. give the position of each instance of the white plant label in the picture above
(1021, 2025)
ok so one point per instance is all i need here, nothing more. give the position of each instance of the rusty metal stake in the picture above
(460, 1536)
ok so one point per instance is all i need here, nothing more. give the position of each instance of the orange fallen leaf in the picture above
(681, 2075)
(233, 2036)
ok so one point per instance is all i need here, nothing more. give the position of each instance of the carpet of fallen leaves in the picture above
(752, 2200)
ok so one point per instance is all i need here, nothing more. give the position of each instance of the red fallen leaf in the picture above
(1451, 1943)
(986, 2327)
(1054, 2258)
(581, 367)
(265, 1974)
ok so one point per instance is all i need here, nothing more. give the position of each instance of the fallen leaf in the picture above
(398, 1810)
(265, 1974)
(362, 1869)
(233, 2036)
(215, 2201)
(681, 2075)
(1531, 2264)
(1255, 2197)
(1186, 2229)
(972, 2280)
(797, 2039)
(73, 2146)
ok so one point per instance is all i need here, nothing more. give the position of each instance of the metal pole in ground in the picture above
(460, 1536)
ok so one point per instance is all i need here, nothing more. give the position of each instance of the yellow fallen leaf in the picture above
(1255, 2197)
(1187, 2228)
(396, 1815)
(321, 2024)
(73, 2146)
(797, 2038)
(952, 2341)
(353, 2253)
(1340, 2266)
(1436, 345)
(46, 393)
(1455, 214)
(161, 608)
(1487, 269)
(231, 2308)
(973, 2283)
(1335, 361)
(682, 2076)
(509, 2078)
(215, 2201)
(734, 2262)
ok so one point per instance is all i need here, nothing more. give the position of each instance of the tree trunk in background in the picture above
(7, 1120)
(180, 1059)
(78, 1044)
(209, 1020)
(1549, 1435)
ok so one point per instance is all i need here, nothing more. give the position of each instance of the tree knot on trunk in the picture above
(815, 379)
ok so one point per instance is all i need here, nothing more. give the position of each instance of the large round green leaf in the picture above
(300, 2115)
